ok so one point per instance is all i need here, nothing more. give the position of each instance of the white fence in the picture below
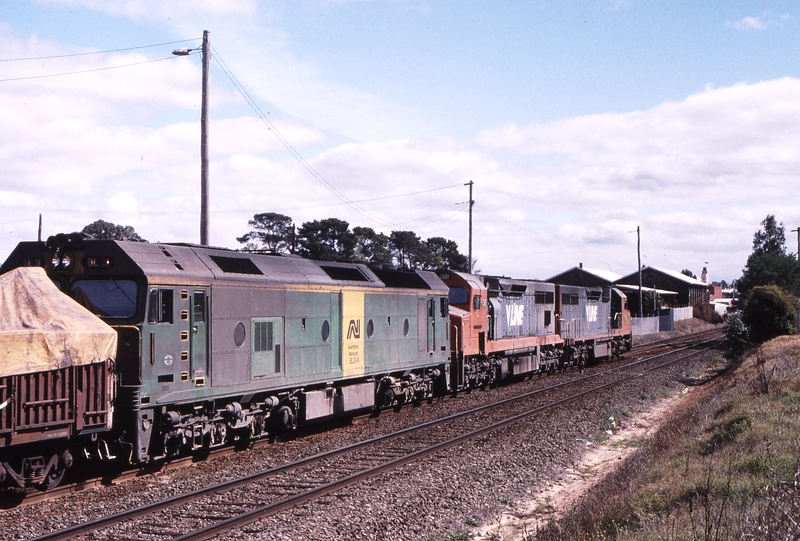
(665, 321)
(644, 325)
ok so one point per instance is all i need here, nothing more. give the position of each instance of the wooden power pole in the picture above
(471, 202)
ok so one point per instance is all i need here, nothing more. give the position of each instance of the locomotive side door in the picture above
(426, 324)
(198, 332)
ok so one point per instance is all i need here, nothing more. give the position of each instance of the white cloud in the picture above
(699, 175)
(748, 23)
(759, 23)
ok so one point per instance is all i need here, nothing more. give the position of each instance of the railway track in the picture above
(16, 497)
(674, 342)
(205, 513)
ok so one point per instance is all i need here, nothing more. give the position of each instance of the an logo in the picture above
(515, 315)
(591, 313)
(354, 329)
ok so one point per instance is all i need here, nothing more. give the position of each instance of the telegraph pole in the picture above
(204, 147)
(798, 242)
(204, 49)
(639, 259)
(471, 202)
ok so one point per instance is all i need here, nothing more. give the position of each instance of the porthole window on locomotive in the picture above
(326, 330)
(239, 334)
(370, 328)
(406, 327)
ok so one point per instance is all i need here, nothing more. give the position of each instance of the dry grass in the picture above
(727, 466)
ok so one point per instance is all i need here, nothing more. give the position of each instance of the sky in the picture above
(577, 121)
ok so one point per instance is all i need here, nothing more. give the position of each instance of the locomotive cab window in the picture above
(106, 297)
(459, 295)
(444, 307)
(199, 306)
(160, 306)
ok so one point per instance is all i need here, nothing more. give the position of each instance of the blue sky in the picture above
(577, 120)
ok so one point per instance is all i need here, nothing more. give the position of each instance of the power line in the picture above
(316, 175)
(85, 71)
(167, 212)
(95, 52)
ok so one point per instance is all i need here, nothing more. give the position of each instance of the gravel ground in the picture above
(433, 500)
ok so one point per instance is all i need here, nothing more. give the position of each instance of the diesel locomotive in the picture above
(216, 346)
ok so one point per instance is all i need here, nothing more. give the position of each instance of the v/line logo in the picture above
(354, 329)
(515, 315)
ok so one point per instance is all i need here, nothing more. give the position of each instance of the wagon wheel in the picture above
(55, 470)
(53, 477)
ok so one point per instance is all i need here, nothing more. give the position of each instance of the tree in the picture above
(445, 254)
(327, 240)
(102, 230)
(407, 249)
(769, 263)
(688, 273)
(371, 247)
(769, 312)
(270, 231)
(771, 239)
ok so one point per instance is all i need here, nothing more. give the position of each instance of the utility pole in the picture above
(471, 202)
(204, 146)
(798, 241)
(205, 50)
(639, 260)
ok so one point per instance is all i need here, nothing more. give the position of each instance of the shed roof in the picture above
(604, 275)
(694, 282)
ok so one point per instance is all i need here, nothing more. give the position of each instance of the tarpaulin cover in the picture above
(41, 328)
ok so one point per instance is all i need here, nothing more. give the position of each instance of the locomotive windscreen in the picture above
(106, 297)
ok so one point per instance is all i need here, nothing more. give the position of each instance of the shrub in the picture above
(736, 334)
(769, 312)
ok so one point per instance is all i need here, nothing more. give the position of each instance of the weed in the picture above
(469, 521)
(458, 536)
(506, 501)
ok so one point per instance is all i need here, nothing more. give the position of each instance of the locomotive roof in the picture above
(222, 264)
(171, 263)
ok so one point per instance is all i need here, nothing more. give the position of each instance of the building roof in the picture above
(603, 275)
(694, 282)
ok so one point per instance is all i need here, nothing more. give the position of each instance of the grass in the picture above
(727, 466)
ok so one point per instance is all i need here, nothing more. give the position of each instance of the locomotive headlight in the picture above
(56, 261)
(66, 261)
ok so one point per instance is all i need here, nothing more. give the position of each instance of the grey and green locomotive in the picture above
(216, 346)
